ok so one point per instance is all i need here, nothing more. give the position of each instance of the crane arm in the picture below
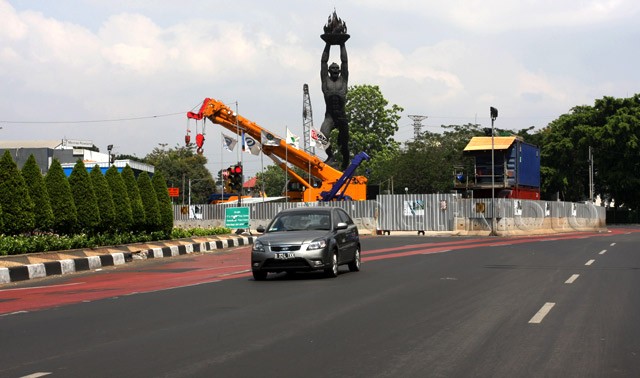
(219, 113)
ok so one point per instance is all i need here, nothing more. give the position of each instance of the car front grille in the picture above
(285, 248)
(297, 263)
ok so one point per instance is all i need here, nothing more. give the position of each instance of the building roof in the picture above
(250, 183)
(484, 143)
(10, 144)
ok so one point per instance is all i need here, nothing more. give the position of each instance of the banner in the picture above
(317, 139)
(292, 139)
(250, 145)
(228, 142)
(269, 139)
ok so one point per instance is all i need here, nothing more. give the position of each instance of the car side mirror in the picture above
(260, 229)
(341, 226)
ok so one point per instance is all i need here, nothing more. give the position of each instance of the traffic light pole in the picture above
(494, 115)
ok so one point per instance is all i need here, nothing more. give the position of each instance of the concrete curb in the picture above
(66, 266)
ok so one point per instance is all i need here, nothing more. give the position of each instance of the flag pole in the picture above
(286, 171)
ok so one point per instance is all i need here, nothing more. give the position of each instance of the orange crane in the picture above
(329, 183)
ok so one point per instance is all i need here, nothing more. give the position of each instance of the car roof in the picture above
(306, 209)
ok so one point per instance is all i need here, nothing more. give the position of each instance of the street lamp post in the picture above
(494, 115)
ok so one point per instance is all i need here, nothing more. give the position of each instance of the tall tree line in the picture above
(85, 202)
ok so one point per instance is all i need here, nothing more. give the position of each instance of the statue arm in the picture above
(324, 67)
(343, 58)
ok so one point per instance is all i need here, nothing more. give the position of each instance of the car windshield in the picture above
(301, 221)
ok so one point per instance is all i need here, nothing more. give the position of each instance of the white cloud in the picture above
(438, 59)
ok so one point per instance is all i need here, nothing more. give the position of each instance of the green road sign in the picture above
(236, 217)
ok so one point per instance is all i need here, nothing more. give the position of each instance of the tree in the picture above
(124, 217)
(104, 197)
(273, 179)
(427, 164)
(64, 209)
(137, 208)
(149, 202)
(85, 199)
(43, 214)
(17, 207)
(611, 127)
(372, 124)
(164, 203)
(180, 164)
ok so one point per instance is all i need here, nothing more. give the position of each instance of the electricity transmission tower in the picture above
(417, 124)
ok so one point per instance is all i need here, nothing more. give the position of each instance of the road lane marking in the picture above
(36, 375)
(590, 262)
(603, 252)
(612, 244)
(572, 279)
(428, 253)
(41, 287)
(537, 318)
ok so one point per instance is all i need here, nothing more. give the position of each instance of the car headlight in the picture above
(258, 246)
(317, 244)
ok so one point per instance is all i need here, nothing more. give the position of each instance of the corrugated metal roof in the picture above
(484, 143)
(30, 144)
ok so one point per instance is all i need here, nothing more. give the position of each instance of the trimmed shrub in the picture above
(43, 215)
(137, 209)
(150, 203)
(64, 209)
(17, 207)
(121, 202)
(104, 198)
(85, 199)
(164, 202)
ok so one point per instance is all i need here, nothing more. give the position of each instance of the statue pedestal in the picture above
(334, 38)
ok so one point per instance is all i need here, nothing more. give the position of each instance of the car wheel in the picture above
(332, 271)
(354, 266)
(259, 275)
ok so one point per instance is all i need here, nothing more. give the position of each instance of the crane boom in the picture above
(353, 187)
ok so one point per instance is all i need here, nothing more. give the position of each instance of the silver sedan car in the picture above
(306, 239)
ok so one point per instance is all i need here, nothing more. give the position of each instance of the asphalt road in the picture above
(555, 306)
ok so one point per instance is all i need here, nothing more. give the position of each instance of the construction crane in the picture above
(307, 119)
(327, 184)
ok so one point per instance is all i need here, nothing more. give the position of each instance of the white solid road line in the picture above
(572, 279)
(603, 252)
(590, 262)
(36, 375)
(537, 318)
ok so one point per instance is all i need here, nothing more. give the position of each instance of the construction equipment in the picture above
(325, 183)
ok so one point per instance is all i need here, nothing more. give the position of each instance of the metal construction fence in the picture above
(422, 212)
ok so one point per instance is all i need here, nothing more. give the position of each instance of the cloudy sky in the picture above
(125, 72)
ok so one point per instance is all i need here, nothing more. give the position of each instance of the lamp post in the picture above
(494, 114)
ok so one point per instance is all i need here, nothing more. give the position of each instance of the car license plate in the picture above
(284, 256)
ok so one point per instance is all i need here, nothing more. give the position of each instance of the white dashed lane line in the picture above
(572, 279)
(612, 244)
(539, 316)
(603, 252)
(590, 262)
(36, 375)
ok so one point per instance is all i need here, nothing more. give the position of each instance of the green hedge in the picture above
(22, 244)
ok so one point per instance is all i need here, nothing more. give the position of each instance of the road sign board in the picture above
(236, 217)
(174, 192)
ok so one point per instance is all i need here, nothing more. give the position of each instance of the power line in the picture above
(95, 120)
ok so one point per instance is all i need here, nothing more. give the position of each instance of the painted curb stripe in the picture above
(66, 266)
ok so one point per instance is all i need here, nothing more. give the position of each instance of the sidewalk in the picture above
(37, 265)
